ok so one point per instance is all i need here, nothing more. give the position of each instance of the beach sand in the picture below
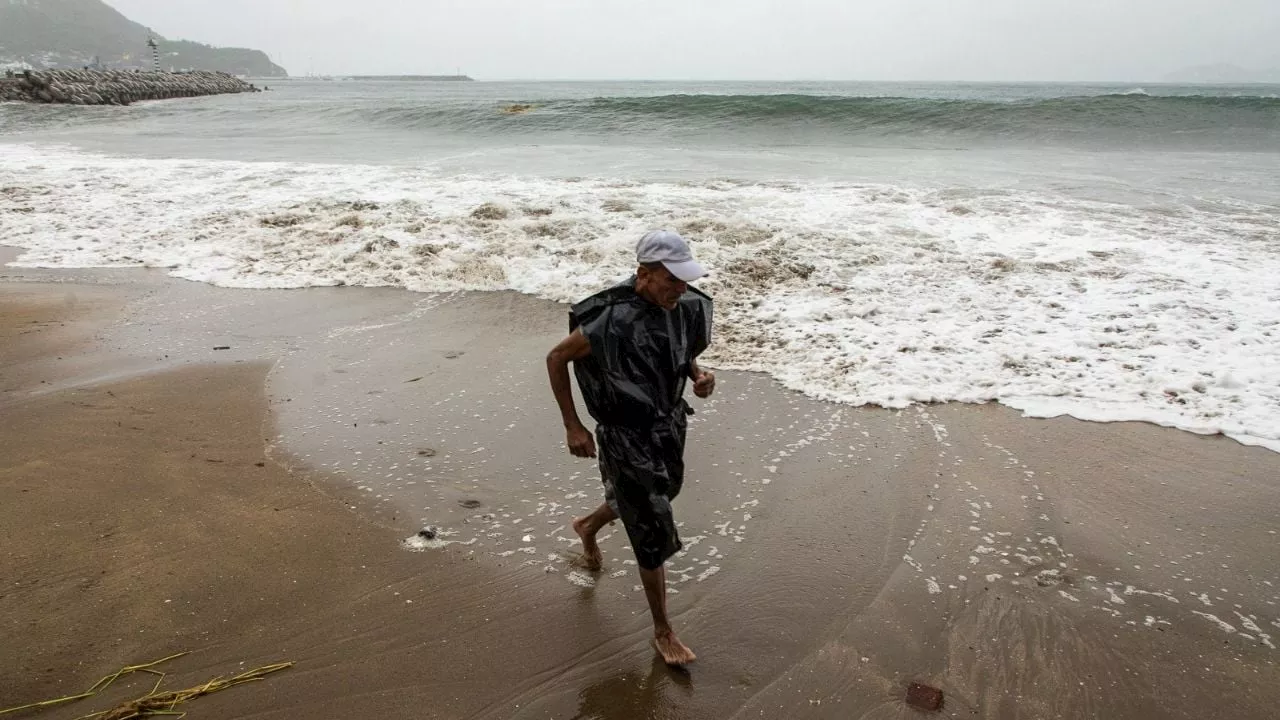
(248, 505)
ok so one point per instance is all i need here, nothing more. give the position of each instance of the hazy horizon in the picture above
(805, 40)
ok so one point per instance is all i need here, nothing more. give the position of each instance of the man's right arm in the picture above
(574, 347)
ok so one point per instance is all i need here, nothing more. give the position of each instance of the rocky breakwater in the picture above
(115, 87)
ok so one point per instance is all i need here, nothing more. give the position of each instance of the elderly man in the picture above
(633, 348)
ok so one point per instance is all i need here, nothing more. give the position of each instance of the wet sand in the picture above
(249, 504)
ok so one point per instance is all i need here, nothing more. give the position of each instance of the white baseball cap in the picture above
(672, 251)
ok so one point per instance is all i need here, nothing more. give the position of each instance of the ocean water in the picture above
(1108, 252)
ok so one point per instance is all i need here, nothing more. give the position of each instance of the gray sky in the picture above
(735, 39)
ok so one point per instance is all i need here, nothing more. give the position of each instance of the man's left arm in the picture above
(704, 383)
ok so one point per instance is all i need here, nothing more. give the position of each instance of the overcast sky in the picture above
(735, 39)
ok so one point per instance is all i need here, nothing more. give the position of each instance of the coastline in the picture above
(837, 572)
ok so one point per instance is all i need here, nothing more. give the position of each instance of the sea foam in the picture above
(855, 293)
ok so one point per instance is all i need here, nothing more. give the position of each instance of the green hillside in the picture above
(71, 33)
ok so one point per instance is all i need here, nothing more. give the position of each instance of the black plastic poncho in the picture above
(633, 384)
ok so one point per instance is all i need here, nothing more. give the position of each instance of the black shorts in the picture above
(643, 471)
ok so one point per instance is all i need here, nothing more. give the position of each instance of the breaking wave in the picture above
(1134, 118)
(856, 293)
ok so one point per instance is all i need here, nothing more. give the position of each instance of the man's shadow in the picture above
(636, 694)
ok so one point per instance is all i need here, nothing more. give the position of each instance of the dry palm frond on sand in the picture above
(155, 702)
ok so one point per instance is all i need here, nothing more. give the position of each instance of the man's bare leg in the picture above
(587, 526)
(665, 641)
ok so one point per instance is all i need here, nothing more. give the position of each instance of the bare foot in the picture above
(592, 559)
(672, 650)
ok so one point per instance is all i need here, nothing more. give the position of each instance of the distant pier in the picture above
(416, 78)
(116, 87)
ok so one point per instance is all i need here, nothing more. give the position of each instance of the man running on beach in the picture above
(633, 347)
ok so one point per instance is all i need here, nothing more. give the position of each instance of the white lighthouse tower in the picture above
(155, 52)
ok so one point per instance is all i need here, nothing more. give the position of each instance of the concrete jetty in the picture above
(115, 87)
